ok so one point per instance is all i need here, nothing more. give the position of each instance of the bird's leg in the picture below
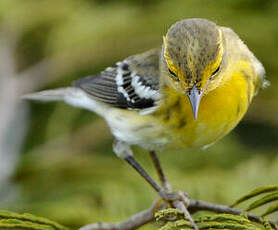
(167, 187)
(123, 151)
(182, 196)
(179, 201)
(159, 171)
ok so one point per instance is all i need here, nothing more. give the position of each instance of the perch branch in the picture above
(147, 216)
(197, 205)
(135, 221)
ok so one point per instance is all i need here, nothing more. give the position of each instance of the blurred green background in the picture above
(65, 169)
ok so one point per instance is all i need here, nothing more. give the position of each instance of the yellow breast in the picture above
(219, 112)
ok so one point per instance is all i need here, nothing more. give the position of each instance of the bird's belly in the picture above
(172, 125)
(135, 129)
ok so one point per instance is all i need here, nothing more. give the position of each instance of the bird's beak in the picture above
(194, 96)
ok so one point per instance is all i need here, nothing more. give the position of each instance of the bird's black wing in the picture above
(131, 84)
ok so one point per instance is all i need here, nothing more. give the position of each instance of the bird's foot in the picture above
(177, 196)
(180, 200)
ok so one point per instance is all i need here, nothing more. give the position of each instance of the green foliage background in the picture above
(67, 171)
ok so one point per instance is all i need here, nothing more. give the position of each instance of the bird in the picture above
(190, 92)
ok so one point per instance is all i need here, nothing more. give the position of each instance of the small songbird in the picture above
(190, 92)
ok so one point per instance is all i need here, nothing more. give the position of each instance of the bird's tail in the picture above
(71, 95)
(50, 95)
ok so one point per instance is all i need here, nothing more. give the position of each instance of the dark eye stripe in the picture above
(216, 70)
(173, 75)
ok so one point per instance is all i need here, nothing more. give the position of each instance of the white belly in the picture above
(136, 129)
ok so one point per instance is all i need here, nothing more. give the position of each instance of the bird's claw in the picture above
(177, 195)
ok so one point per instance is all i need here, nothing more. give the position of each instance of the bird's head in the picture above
(192, 56)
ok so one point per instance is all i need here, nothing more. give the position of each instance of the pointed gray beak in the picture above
(194, 96)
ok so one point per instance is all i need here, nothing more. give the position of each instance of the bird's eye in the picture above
(173, 75)
(215, 72)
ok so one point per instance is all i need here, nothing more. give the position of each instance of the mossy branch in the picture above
(15, 221)
(239, 217)
(222, 217)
